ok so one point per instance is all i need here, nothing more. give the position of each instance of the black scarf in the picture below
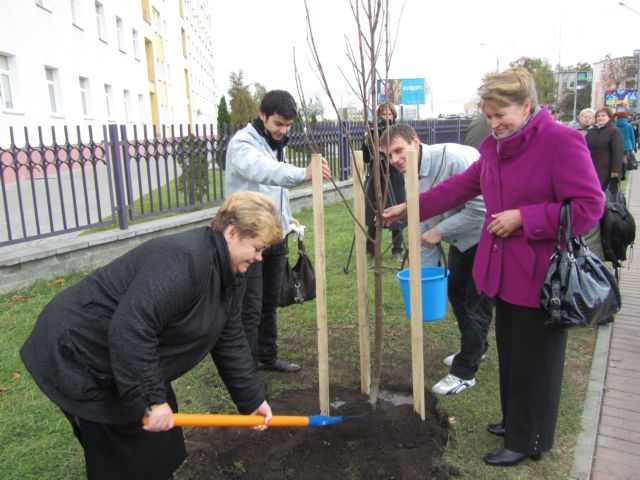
(221, 253)
(277, 145)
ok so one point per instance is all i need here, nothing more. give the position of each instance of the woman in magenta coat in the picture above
(528, 167)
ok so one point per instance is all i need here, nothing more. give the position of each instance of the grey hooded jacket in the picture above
(460, 226)
(251, 164)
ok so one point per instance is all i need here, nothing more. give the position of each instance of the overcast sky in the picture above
(439, 40)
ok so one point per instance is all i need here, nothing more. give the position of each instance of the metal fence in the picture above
(51, 187)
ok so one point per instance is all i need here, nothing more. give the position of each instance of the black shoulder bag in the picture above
(299, 282)
(579, 289)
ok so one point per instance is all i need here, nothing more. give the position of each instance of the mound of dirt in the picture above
(390, 442)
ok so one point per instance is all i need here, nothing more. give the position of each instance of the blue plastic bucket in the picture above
(434, 292)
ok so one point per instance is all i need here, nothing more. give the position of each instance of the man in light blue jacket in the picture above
(256, 161)
(460, 228)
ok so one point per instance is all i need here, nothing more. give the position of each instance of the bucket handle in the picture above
(444, 259)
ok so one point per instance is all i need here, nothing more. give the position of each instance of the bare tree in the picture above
(373, 52)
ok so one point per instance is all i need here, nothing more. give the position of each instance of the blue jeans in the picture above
(260, 303)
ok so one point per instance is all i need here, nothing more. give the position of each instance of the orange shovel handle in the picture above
(219, 420)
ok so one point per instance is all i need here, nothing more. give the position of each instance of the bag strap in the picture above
(301, 249)
(444, 258)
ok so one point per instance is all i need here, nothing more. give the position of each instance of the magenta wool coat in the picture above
(535, 171)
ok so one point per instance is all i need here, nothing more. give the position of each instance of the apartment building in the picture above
(94, 62)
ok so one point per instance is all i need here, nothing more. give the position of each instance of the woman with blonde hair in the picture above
(106, 350)
(586, 119)
(529, 167)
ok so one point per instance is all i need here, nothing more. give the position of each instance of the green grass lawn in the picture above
(37, 441)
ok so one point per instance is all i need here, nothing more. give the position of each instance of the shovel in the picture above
(219, 420)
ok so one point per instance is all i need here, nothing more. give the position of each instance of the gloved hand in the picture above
(298, 230)
(613, 185)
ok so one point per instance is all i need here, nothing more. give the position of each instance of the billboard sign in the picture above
(620, 98)
(404, 91)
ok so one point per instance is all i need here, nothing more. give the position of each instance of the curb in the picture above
(586, 442)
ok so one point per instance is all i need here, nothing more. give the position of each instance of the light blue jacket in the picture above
(461, 225)
(628, 135)
(251, 164)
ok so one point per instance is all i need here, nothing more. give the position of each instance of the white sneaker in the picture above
(448, 361)
(452, 385)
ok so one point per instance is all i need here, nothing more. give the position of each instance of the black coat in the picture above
(396, 193)
(606, 148)
(106, 348)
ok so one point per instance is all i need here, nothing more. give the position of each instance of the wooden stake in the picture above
(321, 283)
(415, 282)
(362, 273)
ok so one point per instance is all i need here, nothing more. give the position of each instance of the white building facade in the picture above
(95, 62)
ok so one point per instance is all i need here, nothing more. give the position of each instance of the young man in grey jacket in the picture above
(256, 161)
(460, 228)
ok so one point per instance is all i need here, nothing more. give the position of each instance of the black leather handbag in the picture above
(299, 282)
(579, 289)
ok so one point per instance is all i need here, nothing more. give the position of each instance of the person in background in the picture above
(516, 243)
(106, 350)
(460, 227)
(628, 138)
(606, 147)
(387, 115)
(256, 161)
(586, 119)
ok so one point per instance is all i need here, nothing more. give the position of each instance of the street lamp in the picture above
(497, 53)
(627, 6)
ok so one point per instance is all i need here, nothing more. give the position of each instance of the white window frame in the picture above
(126, 94)
(76, 12)
(136, 43)
(108, 97)
(45, 4)
(100, 22)
(6, 82)
(53, 89)
(85, 96)
(120, 33)
(141, 107)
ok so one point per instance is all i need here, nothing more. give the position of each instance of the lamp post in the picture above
(634, 53)
(497, 52)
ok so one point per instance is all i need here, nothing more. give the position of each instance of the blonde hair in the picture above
(514, 86)
(253, 215)
(587, 110)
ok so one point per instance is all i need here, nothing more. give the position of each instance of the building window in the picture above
(141, 106)
(136, 44)
(120, 30)
(46, 4)
(127, 104)
(51, 75)
(108, 98)
(100, 21)
(75, 14)
(85, 96)
(6, 97)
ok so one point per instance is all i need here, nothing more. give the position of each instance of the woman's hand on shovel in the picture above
(159, 418)
(265, 410)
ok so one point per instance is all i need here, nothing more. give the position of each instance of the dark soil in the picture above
(390, 442)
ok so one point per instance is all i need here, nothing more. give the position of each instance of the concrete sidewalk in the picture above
(608, 446)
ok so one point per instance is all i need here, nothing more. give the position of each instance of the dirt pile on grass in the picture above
(391, 442)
